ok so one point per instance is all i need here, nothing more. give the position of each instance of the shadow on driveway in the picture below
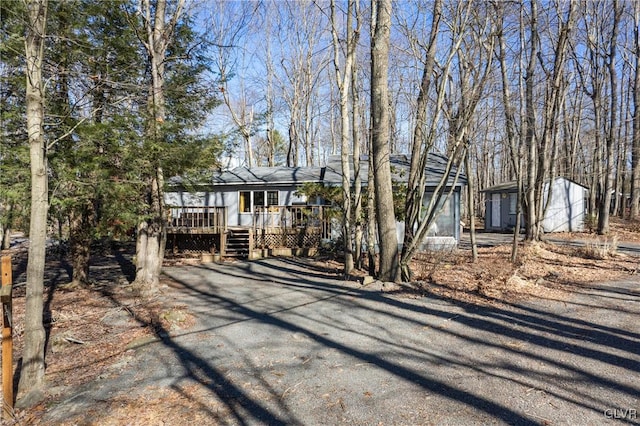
(281, 342)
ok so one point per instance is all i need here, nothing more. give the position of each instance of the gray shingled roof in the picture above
(512, 186)
(255, 175)
(505, 186)
(244, 175)
(400, 165)
(330, 175)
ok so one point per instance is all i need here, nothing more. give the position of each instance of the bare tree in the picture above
(357, 180)
(344, 80)
(270, 97)
(635, 148)
(541, 143)
(477, 49)
(423, 134)
(387, 236)
(32, 372)
(420, 214)
(514, 138)
(303, 63)
(611, 134)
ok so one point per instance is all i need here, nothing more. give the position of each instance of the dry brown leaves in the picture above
(89, 330)
(621, 230)
(541, 270)
(189, 404)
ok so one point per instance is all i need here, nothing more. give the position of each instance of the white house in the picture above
(243, 210)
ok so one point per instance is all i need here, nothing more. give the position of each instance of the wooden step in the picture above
(238, 243)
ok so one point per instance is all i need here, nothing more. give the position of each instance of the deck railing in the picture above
(198, 217)
(291, 217)
(214, 219)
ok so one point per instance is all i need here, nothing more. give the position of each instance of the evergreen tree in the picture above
(177, 102)
(14, 153)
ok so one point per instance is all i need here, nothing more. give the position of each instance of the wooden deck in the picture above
(196, 220)
(206, 230)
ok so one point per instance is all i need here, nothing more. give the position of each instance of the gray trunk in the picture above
(32, 373)
(151, 238)
(472, 219)
(357, 196)
(5, 238)
(532, 232)
(387, 237)
(605, 206)
(344, 82)
(371, 217)
(635, 146)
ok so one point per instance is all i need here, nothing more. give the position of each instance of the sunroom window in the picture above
(272, 198)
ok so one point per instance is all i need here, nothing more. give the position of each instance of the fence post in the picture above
(7, 339)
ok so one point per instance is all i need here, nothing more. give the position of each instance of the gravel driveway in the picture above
(281, 342)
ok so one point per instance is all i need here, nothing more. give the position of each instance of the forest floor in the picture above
(96, 329)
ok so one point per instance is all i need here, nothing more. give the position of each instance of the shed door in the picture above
(495, 210)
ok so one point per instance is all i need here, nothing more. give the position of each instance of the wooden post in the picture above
(223, 242)
(7, 339)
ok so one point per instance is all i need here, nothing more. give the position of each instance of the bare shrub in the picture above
(426, 263)
(599, 249)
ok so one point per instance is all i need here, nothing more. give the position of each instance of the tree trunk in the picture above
(387, 235)
(32, 373)
(292, 154)
(344, 86)
(271, 143)
(151, 238)
(541, 148)
(371, 217)
(514, 140)
(470, 197)
(605, 206)
(5, 229)
(635, 145)
(3, 233)
(357, 181)
(532, 230)
(150, 244)
(81, 224)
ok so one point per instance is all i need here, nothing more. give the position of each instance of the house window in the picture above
(258, 198)
(248, 199)
(444, 221)
(513, 200)
(244, 204)
(272, 198)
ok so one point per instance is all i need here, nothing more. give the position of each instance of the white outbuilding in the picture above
(565, 213)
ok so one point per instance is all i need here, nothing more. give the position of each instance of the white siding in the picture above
(566, 211)
(229, 199)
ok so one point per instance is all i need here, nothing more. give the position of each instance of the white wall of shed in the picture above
(566, 213)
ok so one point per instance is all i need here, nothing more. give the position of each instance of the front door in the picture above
(245, 208)
(495, 210)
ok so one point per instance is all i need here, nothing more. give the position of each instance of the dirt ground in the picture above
(94, 328)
